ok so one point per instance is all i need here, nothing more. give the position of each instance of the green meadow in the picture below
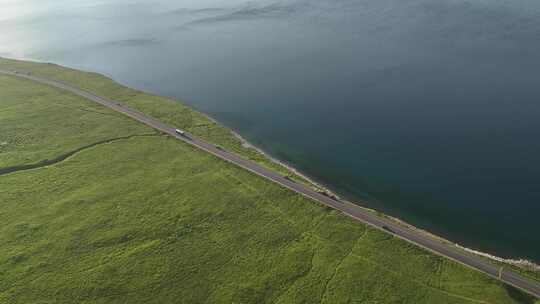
(98, 208)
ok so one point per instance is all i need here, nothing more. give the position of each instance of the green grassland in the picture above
(133, 216)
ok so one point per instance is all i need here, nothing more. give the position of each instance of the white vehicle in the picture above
(179, 132)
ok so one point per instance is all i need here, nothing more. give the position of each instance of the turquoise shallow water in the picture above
(428, 110)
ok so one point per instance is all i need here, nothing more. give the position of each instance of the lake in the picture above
(428, 110)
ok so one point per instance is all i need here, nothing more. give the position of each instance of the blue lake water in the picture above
(428, 110)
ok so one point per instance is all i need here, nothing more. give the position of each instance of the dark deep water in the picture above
(430, 109)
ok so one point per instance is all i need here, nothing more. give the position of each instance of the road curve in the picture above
(411, 235)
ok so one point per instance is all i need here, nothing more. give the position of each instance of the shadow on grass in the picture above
(519, 296)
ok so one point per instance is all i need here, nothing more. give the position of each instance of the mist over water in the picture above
(428, 109)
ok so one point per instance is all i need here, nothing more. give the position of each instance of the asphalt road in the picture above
(411, 235)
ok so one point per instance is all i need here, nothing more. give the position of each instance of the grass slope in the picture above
(137, 217)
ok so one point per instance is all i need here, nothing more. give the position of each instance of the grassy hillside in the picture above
(132, 216)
